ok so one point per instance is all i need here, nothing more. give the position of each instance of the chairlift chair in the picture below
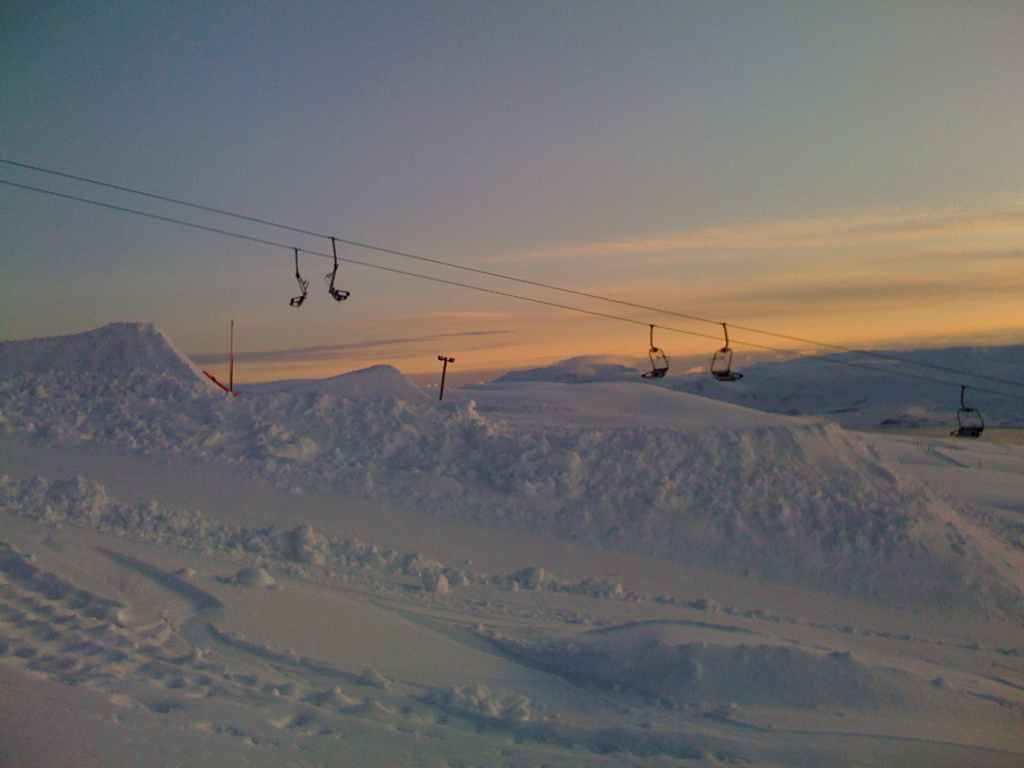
(968, 420)
(721, 362)
(336, 294)
(303, 284)
(659, 361)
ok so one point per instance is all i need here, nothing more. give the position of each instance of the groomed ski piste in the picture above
(348, 572)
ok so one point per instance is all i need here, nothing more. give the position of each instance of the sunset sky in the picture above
(851, 173)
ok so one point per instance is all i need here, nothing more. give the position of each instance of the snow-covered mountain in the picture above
(575, 370)
(852, 389)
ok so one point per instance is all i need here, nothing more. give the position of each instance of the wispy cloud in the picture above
(864, 294)
(329, 352)
(877, 278)
(880, 228)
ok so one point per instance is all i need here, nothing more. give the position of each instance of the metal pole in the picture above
(444, 372)
(231, 363)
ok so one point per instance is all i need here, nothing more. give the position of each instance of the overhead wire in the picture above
(381, 267)
(523, 281)
(491, 291)
(439, 262)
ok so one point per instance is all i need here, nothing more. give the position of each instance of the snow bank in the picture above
(119, 356)
(85, 503)
(299, 551)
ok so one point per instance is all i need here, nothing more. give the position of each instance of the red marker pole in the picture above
(444, 371)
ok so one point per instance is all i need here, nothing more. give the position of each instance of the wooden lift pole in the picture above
(444, 371)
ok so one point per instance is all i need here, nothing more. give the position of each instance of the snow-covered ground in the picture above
(346, 572)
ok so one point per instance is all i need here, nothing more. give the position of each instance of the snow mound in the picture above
(379, 382)
(123, 353)
(254, 578)
(660, 660)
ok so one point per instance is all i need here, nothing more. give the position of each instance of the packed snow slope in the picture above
(620, 465)
(852, 389)
(139, 634)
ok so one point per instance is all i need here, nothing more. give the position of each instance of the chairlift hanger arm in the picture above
(336, 294)
(303, 284)
(969, 422)
(659, 361)
(721, 361)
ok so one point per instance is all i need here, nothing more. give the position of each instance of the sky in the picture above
(845, 173)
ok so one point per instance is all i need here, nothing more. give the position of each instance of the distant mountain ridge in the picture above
(854, 389)
(575, 370)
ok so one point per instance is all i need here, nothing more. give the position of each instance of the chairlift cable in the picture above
(343, 259)
(162, 198)
(534, 283)
(157, 216)
(494, 292)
